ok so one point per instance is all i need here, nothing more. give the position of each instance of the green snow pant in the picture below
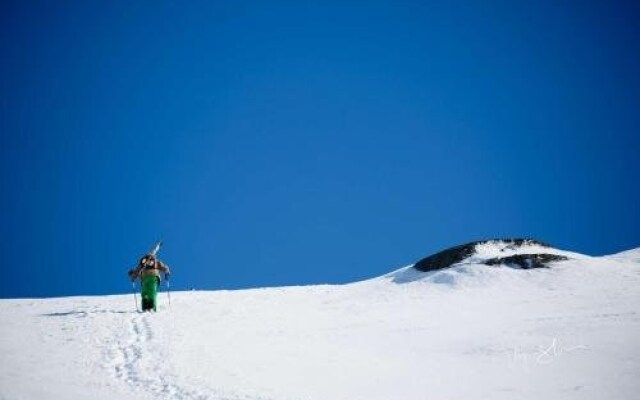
(150, 292)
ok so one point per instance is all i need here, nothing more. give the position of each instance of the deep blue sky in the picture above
(280, 143)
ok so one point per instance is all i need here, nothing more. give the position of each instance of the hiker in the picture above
(148, 271)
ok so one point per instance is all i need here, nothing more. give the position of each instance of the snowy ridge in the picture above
(474, 266)
(471, 331)
(627, 256)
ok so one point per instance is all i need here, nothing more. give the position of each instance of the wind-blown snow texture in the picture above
(468, 332)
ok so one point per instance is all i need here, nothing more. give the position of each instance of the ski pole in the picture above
(135, 296)
(169, 292)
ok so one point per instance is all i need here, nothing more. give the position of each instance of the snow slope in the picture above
(468, 332)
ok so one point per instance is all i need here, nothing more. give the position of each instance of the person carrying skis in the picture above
(148, 271)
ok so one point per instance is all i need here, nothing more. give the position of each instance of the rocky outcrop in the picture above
(446, 258)
(454, 255)
(526, 261)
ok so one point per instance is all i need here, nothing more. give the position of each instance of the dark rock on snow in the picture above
(526, 261)
(454, 255)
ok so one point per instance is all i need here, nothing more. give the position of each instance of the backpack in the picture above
(149, 262)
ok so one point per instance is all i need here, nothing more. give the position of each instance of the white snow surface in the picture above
(469, 332)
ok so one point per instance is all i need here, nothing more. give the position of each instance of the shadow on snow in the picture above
(85, 313)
